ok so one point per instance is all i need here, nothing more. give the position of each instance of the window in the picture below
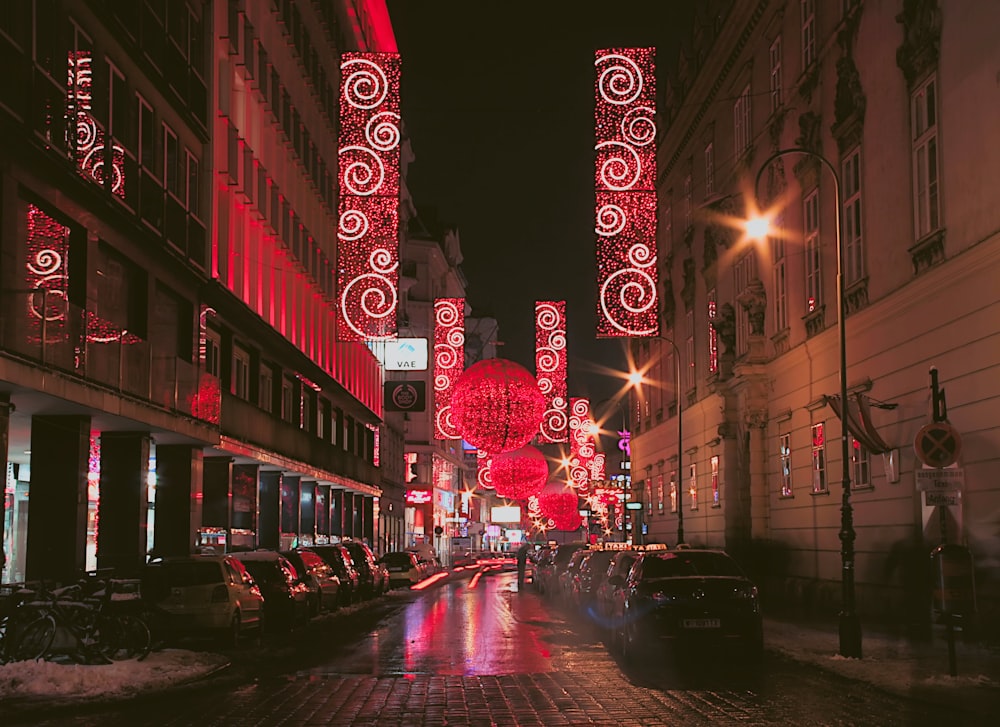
(744, 271)
(690, 352)
(818, 458)
(808, 8)
(853, 249)
(715, 480)
(693, 485)
(146, 134)
(265, 388)
(213, 353)
(779, 291)
(287, 400)
(673, 490)
(775, 77)
(860, 465)
(688, 203)
(305, 414)
(785, 458)
(240, 385)
(741, 122)
(926, 205)
(713, 336)
(813, 250)
(709, 170)
(171, 162)
(659, 493)
(192, 191)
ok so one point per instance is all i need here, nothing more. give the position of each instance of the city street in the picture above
(478, 652)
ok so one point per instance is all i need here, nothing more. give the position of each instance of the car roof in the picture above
(265, 555)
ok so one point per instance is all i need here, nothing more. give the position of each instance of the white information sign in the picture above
(402, 354)
(940, 480)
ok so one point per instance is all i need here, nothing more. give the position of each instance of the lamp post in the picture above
(850, 624)
(680, 434)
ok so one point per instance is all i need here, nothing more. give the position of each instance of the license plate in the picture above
(701, 623)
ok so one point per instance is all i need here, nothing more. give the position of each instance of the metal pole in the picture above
(850, 624)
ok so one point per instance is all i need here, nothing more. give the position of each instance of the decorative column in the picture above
(336, 513)
(307, 512)
(269, 512)
(290, 498)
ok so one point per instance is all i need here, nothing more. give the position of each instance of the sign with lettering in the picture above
(401, 354)
(404, 395)
(940, 480)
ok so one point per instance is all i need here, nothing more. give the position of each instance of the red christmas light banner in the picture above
(449, 361)
(582, 448)
(368, 248)
(625, 179)
(47, 276)
(550, 367)
(484, 470)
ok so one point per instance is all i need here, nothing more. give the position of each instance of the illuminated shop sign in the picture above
(418, 497)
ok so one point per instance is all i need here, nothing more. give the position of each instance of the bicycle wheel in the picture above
(124, 637)
(33, 640)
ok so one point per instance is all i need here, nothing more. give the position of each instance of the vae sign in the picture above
(938, 444)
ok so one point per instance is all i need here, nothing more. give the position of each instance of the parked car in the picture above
(286, 597)
(404, 570)
(688, 597)
(593, 569)
(568, 574)
(204, 594)
(548, 574)
(609, 588)
(372, 578)
(316, 573)
(339, 559)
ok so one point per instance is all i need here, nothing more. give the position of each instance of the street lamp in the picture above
(850, 624)
(636, 378)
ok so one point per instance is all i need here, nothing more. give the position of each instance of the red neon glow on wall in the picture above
(625, 178)
(550, 367)
(449, 361)
(368, 249)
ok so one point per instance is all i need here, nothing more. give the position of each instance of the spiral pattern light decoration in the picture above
(625, 179)
(368, 227)
(47, 277)
(497, 406)
(582, 444)
(559, 504)
(89, 139)
(484, 470)
(550, 367)
(449, 360)
(519, 474)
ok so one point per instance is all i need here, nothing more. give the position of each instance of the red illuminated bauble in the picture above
(497, 406)
(559, 503)
(520, 474)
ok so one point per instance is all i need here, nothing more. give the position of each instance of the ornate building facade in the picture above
(890, 106)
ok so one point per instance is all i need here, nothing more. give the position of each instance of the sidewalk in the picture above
(911, 668)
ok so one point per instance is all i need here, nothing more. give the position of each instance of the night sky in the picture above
(498, 101)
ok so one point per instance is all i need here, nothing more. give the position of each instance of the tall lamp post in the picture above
(850, 624)
(636, 378)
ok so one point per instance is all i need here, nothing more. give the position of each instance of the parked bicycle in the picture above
(25, 634)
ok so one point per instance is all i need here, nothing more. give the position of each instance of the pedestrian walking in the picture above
(522, 564)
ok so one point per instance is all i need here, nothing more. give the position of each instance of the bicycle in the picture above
(24, 634)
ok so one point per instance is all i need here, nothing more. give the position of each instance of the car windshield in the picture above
(186, 573)
(264, 571)
(673, 565)
(397, 559)
(598, 562)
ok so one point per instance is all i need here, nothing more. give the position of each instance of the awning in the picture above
(859, 421)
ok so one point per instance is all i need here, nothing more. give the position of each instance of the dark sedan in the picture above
(339, 559)
(688, 598)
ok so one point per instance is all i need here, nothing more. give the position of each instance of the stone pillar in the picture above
(57, 521)
(307, 511)
(269, 521)
(290, 505)
(123, 507)
(179, 470)
(336, 512)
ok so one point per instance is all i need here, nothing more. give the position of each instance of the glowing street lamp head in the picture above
(758, 228)
(635, 378)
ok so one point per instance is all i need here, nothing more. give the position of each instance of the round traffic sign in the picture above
(937, 444)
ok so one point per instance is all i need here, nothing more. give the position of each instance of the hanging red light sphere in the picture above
(497, 405)
(559, 503)
(520, 474)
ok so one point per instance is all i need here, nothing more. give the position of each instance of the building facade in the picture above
(891, 103)
(170, 371)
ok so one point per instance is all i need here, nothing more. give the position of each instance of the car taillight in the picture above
(220, 594)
